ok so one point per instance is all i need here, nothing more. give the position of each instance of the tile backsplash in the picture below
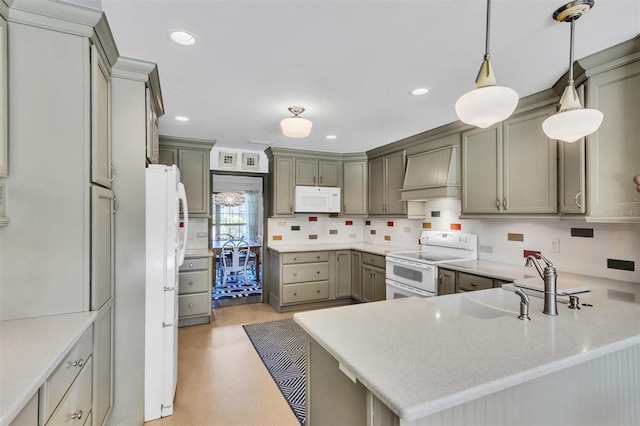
(198, 233)
(573, 246)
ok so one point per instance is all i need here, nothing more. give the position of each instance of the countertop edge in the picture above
(13, 408)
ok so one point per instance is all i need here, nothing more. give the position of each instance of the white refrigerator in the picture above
(165, 253)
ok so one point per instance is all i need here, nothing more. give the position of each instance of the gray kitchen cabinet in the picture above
(572, 177)
(312, 172)
(194, 291)
(309, 279)
(153, 136)
(193, 156)
(386, 178)
(281, 170)
(102, 246)
(4, 111)
(613, 152)
(354, 191)
(446, 282)
(373, 277)
(463, 281)
(510, 167)
(102, 170)
(356, 275)
(103, 362)
(343, 281)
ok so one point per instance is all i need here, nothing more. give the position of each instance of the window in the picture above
(230, 220)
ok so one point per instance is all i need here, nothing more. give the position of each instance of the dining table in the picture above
(217, 245)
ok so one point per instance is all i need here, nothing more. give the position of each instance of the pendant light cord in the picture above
(486, 48)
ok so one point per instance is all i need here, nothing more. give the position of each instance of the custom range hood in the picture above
(431, 174)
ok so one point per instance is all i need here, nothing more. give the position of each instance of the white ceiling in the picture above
(351, 64)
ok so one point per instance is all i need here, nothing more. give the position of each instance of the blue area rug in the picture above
(236, 287)
(281, 345)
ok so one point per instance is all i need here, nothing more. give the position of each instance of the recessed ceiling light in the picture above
(331, 136)
(181, 37)
(181, 118)
(420, 91)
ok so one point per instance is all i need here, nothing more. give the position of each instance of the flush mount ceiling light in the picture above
(419, 91)
(489, 103)
(182, 37)
(572, 121)
(296, 127)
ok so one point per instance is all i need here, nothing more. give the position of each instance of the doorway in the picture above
(237, 217)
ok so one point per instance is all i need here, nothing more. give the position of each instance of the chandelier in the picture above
(229, 199)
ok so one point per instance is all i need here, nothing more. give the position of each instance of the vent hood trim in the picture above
(431, 174)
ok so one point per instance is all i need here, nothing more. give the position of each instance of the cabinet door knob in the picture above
(318, 272)
(190, 282)
(79, 363)
(295, 294)
(295, 274)
(191, 265)
(77, 416)
(318, 291)
(473, 284)
(295, 259)
(191, 305)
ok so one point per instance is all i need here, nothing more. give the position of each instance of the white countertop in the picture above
(379, 249)
(419, 358)
(30, 351)
(201, 252)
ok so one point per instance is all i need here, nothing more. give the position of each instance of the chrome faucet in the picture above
(549, 276)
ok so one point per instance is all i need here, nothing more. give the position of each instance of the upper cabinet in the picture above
(192, 157)
(510, 167)
(354, 189)
(311, 172)
(386, 178)
(102, 170)
(613, 152)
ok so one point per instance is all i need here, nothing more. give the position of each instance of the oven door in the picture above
(396, 290)
(419, 275)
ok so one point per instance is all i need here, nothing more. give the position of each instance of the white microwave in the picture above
(316, 199)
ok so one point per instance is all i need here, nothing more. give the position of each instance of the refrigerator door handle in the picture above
(182, 196)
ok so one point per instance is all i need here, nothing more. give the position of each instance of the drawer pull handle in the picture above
(473, 284)
(295, 294)
(317, 272)
(295, 258)
(79, 363)
(318, 291)
(190, 282)
(77, 416)
(295, 274)
(191, 265)
(191, 305)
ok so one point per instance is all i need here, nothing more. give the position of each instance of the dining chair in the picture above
(233, 260)
(224, 237)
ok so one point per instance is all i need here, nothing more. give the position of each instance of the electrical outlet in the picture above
(555, 245)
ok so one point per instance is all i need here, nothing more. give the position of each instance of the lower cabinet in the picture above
(194, 291)
(314, 279)
(65, 398)
(356, 275)
(450, 282)
(373, 278)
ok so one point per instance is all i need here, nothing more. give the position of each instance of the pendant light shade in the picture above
(296, 127)
(488, 103)
(572, 121)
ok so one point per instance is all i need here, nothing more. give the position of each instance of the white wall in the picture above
(580, 255)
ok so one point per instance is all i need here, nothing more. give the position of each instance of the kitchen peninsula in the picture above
(417, 362)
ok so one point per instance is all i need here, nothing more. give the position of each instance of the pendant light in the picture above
(296, 127)
(572, 121)
(489, 103)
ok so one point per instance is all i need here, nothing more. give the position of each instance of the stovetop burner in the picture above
(425, 256)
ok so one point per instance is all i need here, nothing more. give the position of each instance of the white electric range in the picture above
(415, 273)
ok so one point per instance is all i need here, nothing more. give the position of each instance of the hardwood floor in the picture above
(221, 379)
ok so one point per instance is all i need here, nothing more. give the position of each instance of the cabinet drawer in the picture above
(56, 386)
(196, 263)
(193, 282)
(305, 272)
(194, 304)
(373, 259)
(307, 292)
(76, 405)
(305, 257)
(469, 282)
